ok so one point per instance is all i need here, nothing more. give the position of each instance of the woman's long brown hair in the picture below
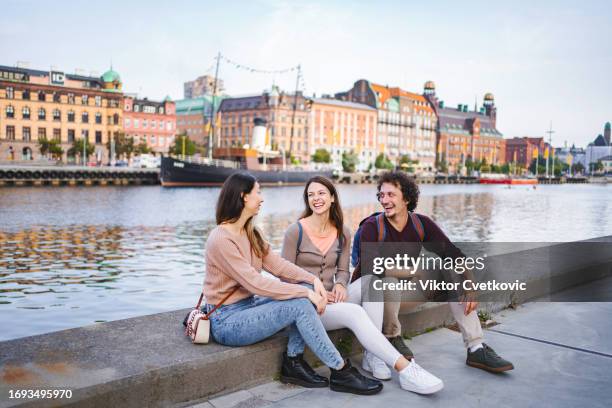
(231, 203)
(335, 211)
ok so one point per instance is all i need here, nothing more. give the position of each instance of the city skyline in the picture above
(543, 63)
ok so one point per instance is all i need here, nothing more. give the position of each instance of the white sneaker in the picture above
(416, 379)
(376, 366)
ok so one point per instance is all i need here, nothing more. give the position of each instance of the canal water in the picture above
(71, 257)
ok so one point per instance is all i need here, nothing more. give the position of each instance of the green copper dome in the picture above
(111, 76)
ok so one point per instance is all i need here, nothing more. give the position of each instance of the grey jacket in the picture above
(312, 260)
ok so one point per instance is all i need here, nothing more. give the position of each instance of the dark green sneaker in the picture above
(487, 359)
(401, 346)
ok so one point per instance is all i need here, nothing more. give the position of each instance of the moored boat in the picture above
(190, 172)
(505, 179)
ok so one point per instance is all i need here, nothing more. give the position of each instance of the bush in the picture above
(321, 156)
(383, 162)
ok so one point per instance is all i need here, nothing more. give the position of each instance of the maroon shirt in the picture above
(435, 239)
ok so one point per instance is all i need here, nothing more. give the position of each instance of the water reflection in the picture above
(142, 250)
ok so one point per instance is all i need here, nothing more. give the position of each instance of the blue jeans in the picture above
(254, 319)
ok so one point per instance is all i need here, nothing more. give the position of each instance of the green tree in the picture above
(469, 165)
(50, 146)
(43, 145)
(124, 146)
(577, 168)
(177, 148)
(77, 149)
(142, 148)
(482, 163)
(56, 149)
(598, 166)
(442, 165)
(349, 161)
(541, 166)
(321, 156)
(383, 162)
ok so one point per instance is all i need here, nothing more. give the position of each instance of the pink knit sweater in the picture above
(230, 262)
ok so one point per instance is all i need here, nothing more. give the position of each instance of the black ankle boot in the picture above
(349, 379)
(295, 370)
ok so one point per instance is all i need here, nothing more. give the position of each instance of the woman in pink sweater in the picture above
(236, 252)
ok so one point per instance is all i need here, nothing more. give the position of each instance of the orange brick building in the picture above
(521, 149)
(406, 122)
(37, 104)
(463, 134)
(287, 128)
(150, 122)
(341, 126)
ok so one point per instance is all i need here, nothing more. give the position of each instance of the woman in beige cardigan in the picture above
(320, 243)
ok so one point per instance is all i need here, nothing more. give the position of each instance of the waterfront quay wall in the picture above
(148, 360)
(75, 175)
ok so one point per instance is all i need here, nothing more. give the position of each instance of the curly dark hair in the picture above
(410, 190)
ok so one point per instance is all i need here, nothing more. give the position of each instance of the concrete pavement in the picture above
(562, 354)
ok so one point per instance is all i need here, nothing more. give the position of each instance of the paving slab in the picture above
(545, 375)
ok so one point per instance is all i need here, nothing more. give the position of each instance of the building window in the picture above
(10, 132)
(70, 135)
(152, 139)
(25, 94)
(57, 134)
(10, 92)
(42, 133)
(153, 124)
(85, 117)
(10, 111)
(136, 123)
(56, 97)
(136, 108)
(113, 103)
(162, 140)
(85, 100)
(27, 134)
(42, 114)
(115, 119)
(41, 96)
(127, 122)
(98, 100)
(70, 116)
(98, 118)
(98, 136)
(71, 98)
(145, 124)
(25, 112)
(57, 116)
(85, 135)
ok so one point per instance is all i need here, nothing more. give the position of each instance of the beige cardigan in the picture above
(311, 259)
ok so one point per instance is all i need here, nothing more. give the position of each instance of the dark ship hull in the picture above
(177, 173)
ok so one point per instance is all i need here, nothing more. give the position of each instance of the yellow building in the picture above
(38, 104)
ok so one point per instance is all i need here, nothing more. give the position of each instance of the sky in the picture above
(545, 61)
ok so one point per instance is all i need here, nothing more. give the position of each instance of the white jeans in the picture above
(365, 322)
